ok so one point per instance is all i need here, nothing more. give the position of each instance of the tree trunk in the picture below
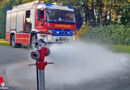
(99, 3)
(105, 12)
(105, 18)
(101, 21)
(94, 19)
(110, 12)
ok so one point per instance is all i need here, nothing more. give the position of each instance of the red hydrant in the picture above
(39, 55)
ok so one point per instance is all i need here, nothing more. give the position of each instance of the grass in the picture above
(115, 48)
(4, 42)
(120, 48)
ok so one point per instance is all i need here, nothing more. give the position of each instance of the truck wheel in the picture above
(32, 43)
(13, 43)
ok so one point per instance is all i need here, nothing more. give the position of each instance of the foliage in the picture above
(4, 6)
(115, 34)
(82, 30)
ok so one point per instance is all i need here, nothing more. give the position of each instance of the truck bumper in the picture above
(50, 38)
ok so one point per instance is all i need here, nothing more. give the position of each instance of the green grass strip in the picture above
(120, 48)
(4, 42)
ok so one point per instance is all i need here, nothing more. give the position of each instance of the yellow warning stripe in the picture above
(22, 38)
(63, 26)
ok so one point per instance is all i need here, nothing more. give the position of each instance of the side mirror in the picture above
(43, 22)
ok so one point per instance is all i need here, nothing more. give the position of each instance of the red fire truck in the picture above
(36, 20)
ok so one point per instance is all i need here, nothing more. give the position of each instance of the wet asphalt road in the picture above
(14, 56)
(10, 56)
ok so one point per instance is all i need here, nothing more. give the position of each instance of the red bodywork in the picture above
(8, 37)
(41, 63)
(23, 38)
(44, 27)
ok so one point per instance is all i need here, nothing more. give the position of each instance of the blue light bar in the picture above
(69, 7)
(57, 32)
(48, 5)
(68, 32)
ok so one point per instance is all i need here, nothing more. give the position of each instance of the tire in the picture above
(32, 44)
(13, 43)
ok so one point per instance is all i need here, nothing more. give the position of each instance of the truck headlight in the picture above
(74, 38)
(49, 38)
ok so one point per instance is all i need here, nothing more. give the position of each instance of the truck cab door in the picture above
(40, 23)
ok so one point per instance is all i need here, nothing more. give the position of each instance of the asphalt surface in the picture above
(8, 57)
(15, 70)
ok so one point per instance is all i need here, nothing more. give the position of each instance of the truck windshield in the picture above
(60, 16)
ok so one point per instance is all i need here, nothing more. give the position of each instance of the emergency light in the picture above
(62, 32)
(68, 33)
(69, 7)
(57, 32)
(48, 5)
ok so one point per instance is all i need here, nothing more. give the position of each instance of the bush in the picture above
(115, 34)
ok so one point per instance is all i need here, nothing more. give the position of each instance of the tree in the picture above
(5, 5)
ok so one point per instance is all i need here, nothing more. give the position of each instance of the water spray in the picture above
(74, 69)
(39, 55)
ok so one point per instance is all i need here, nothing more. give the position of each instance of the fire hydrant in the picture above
(39, 55)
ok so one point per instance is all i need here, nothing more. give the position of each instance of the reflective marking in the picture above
(22, 38)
